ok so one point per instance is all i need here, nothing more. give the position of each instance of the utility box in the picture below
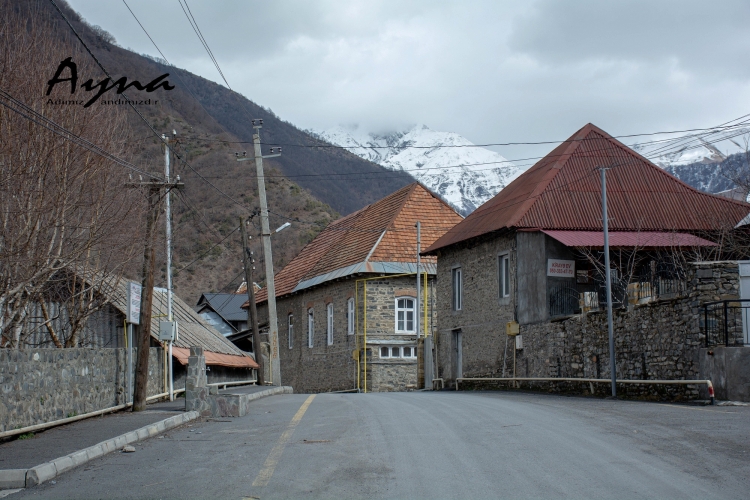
(519, 342)
(511, 328)
(168, 331)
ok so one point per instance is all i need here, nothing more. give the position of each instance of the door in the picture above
(456, 354)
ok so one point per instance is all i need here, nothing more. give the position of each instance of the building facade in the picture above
(532, 255)
(349, 313)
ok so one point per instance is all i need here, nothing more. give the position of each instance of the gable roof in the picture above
(226, 305)
(563, 191)
(193, 330)
(380, 237)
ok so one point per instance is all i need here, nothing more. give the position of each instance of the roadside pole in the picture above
(608, 278)
(252, 312)
(168, 216)
(154, 188)
(417, 308)
(273, 327)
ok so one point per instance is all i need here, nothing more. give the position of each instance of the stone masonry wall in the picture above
(42, 385)
(656, 340)
(324, 367)
(484, 314)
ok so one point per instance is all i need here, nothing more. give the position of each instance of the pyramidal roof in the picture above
(380, 237)
(563, 191)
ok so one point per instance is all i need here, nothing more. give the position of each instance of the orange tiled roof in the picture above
(381, 232)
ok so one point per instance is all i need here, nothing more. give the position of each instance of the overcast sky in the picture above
(492, 71)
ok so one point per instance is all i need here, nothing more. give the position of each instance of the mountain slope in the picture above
(464, 175)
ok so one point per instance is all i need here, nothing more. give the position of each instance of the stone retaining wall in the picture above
(42, 385)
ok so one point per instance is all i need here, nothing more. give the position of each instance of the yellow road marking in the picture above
(264, 476)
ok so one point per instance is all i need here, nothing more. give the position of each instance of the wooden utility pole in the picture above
(252, 311)
(155, 188)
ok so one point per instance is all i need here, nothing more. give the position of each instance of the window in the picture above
(404, 315)
(310, 327)
(396, 352)
(503, 262)
(350, 317)
(457, 289)
(329, 323)
(290, 325)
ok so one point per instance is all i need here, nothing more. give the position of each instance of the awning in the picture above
(628, 239)
(216, 359)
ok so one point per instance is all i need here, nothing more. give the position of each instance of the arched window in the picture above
(329, 323)
(404, 315)
(310, 327)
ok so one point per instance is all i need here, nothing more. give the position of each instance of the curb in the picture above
(22, 478)
(284, 389)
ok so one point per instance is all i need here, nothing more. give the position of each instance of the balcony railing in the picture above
(726, 322)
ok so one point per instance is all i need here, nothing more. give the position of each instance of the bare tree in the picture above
(66, 223)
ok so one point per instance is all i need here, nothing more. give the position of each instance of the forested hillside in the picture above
(308, 185)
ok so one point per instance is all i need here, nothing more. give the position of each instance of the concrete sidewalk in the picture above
(44, 455)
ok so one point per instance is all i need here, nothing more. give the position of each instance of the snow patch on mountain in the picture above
(450, 165)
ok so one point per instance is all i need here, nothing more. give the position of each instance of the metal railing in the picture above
(726, 322)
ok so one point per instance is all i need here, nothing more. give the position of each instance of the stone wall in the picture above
(42, 385)
(484, 314)
(324, 367)
(656, 340)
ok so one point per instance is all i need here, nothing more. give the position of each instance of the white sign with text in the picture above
(561, 268)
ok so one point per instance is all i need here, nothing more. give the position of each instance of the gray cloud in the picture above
(491, 71)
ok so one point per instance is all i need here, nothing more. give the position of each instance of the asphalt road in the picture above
(433, 445)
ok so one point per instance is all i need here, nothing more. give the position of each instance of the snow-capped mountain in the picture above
(463, 174)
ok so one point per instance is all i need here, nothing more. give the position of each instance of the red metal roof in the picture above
(563, 191)
(381, 232)
(628, 239)
(216, 359)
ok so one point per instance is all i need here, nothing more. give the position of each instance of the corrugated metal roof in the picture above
(628, 239)
(227, 305)
(193, 331)
(380, 238)
(563, 191)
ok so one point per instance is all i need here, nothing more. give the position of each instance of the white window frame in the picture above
(406, 310)
(290, 329)
(457, 289)
(310, 327)
(329, 323)
(400, 352)
(503, 275)
(350, 316)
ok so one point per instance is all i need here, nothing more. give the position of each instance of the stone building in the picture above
(347, 305)
(533, 254)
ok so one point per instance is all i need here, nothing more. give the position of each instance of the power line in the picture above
(30, 114)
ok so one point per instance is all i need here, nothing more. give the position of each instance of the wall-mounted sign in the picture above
(561, 268)
(134, 303)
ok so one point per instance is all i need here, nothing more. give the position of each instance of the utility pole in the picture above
(273, 327)
(149, 263)
(608, 277)
(417, 309)
(168, 216)
(252, 312)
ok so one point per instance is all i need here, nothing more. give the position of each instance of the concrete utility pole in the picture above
(168, 216)
(273, 326)
(252, 312)
(149, 263)
(608, 277)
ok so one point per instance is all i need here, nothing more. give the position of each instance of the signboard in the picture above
(134, 303)
(561, 268)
